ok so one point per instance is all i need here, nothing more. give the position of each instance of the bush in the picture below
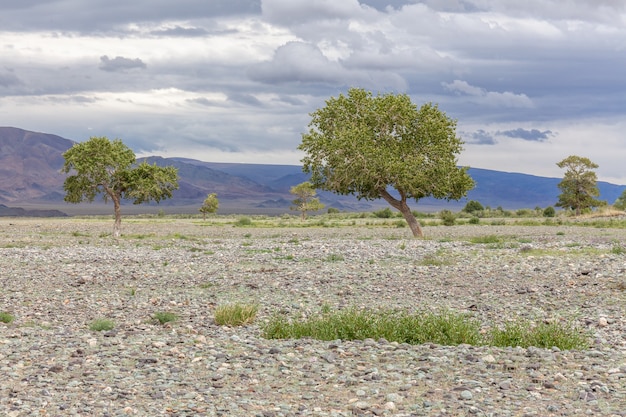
(243, 221)
(474, 220)
(549, 212)
(235, 314)
(447, 217)
(473, 206)
(385, 213)
(333, 210)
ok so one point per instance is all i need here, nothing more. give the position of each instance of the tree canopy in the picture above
(579, 184)
(306, 198)
(364, 145)
(209, 205)
(102, 166)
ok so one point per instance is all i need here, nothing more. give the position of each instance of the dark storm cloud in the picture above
(120, 64)
(530, 135)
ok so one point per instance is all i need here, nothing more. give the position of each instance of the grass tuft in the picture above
(164, 317)
(235, 314)
(6, 317)
(100, 325)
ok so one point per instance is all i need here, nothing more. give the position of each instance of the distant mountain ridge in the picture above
(30, 164)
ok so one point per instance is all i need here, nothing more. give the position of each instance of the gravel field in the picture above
(59, 275)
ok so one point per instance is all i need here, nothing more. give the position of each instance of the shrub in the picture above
(243, 221)
(549, 212)
(6, 317)
(164, 317)
(473, 206)
(447, 217)
(385, 213)
(100, 325)
(474, 220)
(333, 210)
(235, 314)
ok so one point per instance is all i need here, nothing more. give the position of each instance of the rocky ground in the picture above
(58, 276)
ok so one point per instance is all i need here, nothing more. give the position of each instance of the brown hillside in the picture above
(30, 164)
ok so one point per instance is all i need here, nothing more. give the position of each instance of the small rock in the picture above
(466, 395)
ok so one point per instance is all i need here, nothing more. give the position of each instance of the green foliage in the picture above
(474, 220)
(235, 314)
(443, 328)
(243, 221)
(6, 317)
(333, 210)
(210, 205)
(487, 239)
(385, 213)
(544, 335)
(579, 185)
(447, 217)
(473, 206)
(306, 199)
(100, 325)
(333, 257)
(446, 328)
(549, 212)
(102, 166)
(620, 202)
(163, 317)
(362, 145)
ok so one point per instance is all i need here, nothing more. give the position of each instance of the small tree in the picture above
(579, 185)
(102, 166)
(364, 145)
(210, 205)
(306, 199)
(473, 206)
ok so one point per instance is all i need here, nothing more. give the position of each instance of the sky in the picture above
(529, 82)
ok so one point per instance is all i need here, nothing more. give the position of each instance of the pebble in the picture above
(52, 364)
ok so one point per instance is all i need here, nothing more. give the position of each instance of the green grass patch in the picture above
(235, 314)
(544, 335)
(334, 257)
(6, 317)
(163, 317)
(444, 328)
(487, 239)
(100, 325)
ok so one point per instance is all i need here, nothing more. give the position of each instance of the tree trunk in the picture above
(403, 208)
(117, 226)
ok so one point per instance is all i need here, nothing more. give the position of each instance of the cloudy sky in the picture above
(530, 82)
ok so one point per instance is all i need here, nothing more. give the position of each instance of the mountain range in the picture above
(30, 176)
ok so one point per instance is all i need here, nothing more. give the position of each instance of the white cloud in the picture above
(489, 98)
(229, 79)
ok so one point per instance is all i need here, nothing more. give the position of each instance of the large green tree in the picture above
(366, 145)
(306, 198)
(579, 184)
(101, 166)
